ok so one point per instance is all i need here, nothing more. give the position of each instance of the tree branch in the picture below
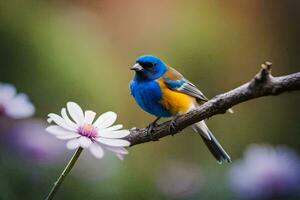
(263, 84)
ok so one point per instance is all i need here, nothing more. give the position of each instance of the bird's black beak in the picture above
(137, 67)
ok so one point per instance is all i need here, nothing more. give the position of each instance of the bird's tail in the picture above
(211, 142)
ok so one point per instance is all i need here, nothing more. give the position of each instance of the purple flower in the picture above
(266, 172)
(31, 142)
(14, 105)
(179, 180)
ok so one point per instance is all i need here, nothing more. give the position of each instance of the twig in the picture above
(263, 84)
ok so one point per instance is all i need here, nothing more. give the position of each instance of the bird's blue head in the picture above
(148, 67)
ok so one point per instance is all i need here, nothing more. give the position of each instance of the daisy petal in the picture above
(113, 142)
(117, 150)
(114, 128)
(73, 144)
(67, 119)
(96, 150)
(84, 142)
(59, 121)
(75, 112)
(89, 116)
(105, 120)
(120, 156)
(67, 137)
(57, 130)
(49, 120)
(113, 134)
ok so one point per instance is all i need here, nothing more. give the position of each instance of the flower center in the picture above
(88, 130)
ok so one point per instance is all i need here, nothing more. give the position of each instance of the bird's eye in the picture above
(147, 65)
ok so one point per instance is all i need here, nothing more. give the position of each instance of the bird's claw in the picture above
(173, 126)
(150, 129)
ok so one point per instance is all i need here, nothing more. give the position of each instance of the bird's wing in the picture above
(175, 81)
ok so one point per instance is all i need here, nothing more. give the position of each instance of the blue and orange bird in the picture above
(163, 92)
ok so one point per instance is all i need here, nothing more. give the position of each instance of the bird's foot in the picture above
(150, 129)
(173, 126)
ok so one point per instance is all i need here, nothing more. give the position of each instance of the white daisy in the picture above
(14, 105)
(83, 132)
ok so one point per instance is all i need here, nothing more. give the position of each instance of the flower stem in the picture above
(63, 175)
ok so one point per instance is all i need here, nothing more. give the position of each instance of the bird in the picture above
(163, 92)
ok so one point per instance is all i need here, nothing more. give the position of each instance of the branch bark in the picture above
(263, 84)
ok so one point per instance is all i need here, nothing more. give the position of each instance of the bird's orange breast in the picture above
(176, 102)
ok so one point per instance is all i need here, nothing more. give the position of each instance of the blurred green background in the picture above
(81, 50)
